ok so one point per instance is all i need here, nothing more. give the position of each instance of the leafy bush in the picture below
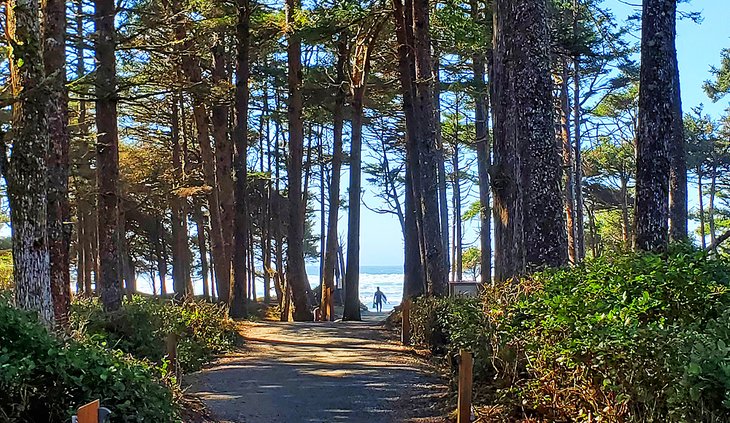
(143, 324)
(44, 378)
(632, 338)
(448, 325)
(6, 269)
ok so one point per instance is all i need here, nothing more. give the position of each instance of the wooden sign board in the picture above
(464, 289)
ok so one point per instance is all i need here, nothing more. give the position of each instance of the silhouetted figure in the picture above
(378, 299)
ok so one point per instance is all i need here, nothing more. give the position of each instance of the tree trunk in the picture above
(414, 281)
(530, 225)
(159, 241)
(481, 120)
(182, 280)
(352, 273)
(224, 149)
(296, 273)
(678, 214)
(191, 69)
(625, 224)
(239, 306)
(657, 111)
(711, 206)
(569, 173)
(700, 197)
(458, 265)
(27, 169)
(443, 201)
(330, 258)
(426, 142)
(59, 211)
(579, 203)
(203, 250)
(107, 157)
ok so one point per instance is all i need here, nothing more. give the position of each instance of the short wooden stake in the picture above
(466, 364)
(88, 413)
(171, 347)
(405, 312)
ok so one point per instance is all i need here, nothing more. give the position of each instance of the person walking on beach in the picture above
(378, 299)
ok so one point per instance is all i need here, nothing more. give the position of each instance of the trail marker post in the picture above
(466, 364)
(406, 322)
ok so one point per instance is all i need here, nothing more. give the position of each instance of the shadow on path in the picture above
(319, 372)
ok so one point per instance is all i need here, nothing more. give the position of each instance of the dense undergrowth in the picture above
(117, 358)
(629, 338)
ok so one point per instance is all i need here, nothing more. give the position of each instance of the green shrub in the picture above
(43, 378)
(143, 324)
(636, 337)
(447, 325)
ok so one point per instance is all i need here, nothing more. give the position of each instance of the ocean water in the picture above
(388, 278)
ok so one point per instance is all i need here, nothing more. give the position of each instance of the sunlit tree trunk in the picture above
(27, 185)
(657, 111)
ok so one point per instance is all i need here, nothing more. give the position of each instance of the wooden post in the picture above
(88, 413)
(405, 336)
(171, 347)
(466, 363)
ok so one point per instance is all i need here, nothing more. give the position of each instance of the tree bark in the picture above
(202, 250)
(59, 211)
(700, 197)
(296, 272)
(107, 157)
(26, 171)
(443, 201)
(330, 258)
(530, 221)
(579, 203)
(657, 111)
(239, 306)
(224, 150)
(414, 281)
(678, 214)
(181, 277)
(426, 142)
(481, 120)
(568, 165)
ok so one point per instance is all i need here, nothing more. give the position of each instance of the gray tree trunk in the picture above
(657, 114)
(26, 171)
(530, 221)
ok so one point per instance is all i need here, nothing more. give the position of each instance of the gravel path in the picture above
(319, 372)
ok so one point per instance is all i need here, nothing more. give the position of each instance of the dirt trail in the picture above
(319, 372)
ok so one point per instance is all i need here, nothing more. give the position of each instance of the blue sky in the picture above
(698, 48)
